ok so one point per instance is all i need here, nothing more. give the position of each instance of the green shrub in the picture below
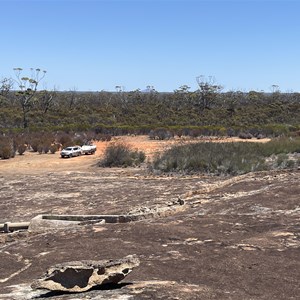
(121, 155)
(228, 158)
(217, 158)
(281, 145)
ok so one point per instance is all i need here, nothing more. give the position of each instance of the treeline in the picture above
(182, 112)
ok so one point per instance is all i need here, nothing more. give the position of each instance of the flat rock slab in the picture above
(80, 276)
(237, 237)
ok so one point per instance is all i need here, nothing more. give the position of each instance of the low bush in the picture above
(121, 155)
(228, 158)
(34, 143)
(245, 135)
(6, 148)
(65, 139)
(40, 148)
(46, 147)
(160, 134)
(21, 148)
(6, 152)
(53, 148)
(40, 141)
(281, 145)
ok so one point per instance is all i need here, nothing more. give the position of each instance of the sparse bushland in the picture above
(230, 158)
(211, 113)
(121, 155)
(77, 117)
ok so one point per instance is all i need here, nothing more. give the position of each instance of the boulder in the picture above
(80, 276)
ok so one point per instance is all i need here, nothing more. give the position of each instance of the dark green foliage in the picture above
(228, 158)
(121, 155)
(139, 113)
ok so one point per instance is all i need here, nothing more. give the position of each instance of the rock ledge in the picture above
(80, 276)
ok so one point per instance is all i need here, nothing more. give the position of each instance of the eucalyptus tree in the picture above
(46, 100)
(207, 92)
(182, 97)
(27, 89)
(231, 100)
(275, 93)
(73, 98)
(6, 84)
(183, 91)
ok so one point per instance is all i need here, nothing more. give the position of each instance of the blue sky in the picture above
(96, 45)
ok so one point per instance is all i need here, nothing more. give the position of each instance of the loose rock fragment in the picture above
(80, 276)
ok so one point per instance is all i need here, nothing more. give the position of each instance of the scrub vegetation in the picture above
(121, 155)
(205, 111)
(230, 158)
(45, 121)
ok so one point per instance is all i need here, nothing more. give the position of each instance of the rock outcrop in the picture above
(80, 276)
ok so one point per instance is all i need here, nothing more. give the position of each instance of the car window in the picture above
(68, 149)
